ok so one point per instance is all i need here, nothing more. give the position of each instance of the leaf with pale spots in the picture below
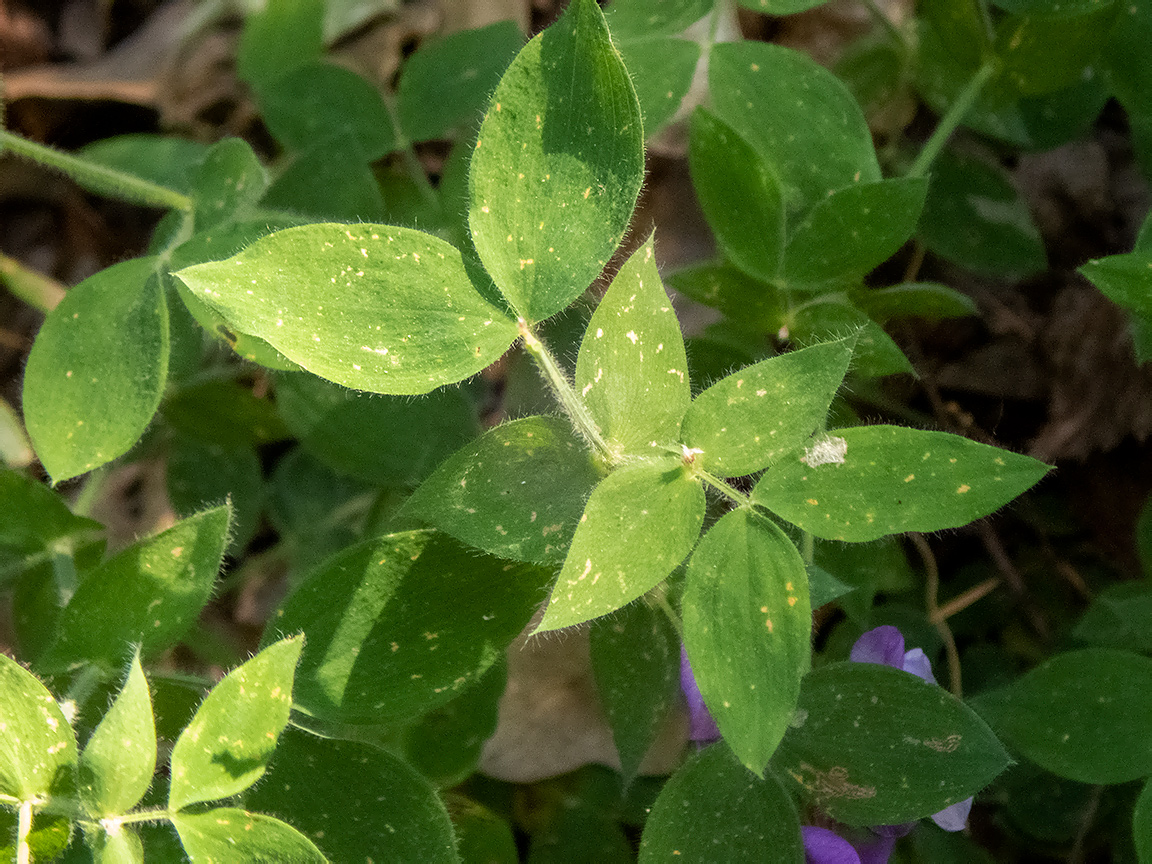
(358, 802)
(557, 165)
(97, 369)
(748, 420)
(712, 809)
(747, 630)
(740, 195)
(853, 230)
(227, 745)
(631, 371)
(372, 307)
(230, 834)
(874, 745)
(37, 749)
(516, 492)
(148, 595)
(400, 624)
(119, 759)
(640, 522)
(862, 483)
(797, 114)
(228, 183)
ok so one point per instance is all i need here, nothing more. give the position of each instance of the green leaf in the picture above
(318, 100)
(853, 230)
(1126, 280)
(228, 183)
(1118, 618)
(1142, 824)
(739, 194)
(37, 750)
(226, 747)
(929, 300)
(557, 166)
(1051, 8)
(749, 301)
(166, 160)
(148, 595)
(748, 420)
(445, 85)
(119, 759)
(830, 316)
(97, 369)
(873, 745)
(584, 824)
(780, 7)
(1127, 61)
(861, 483)
(516, 492)
(640, 19)
(332, 181)
(974, 217)
(200, 475)
(797, 115)
(230, 834)
(399, 625)
(631, 371)
(279, 36)
(640, 522)
(636, 663)
(355, 801)
(1085, 715)
(714, 809)
(121, 846)
(33, 519)
(224, 413)
(747, 629)
(48, 839)
(377, 330)
(390, 440)
(1041, 55)
(662, 71)
(481, 835)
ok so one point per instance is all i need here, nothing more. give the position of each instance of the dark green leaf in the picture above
(749, 301)
(714, 809)
(377, 330)
(636, 663)
(49, 837)
(751, 418)
(356, 802)
(331, 181)
(929, 300)
(747, 629)
(228, 183)
(873, 745)
(631, 371)
(641, 19)
(278, 37)
(224, 413)
(861, 483)
(34, 519)
(1051, 8)
(1127, 60)
(823, 587)
(169, 161)
(662, 71)
(38, 750)
(230, 834)
(1142, 824)
(797, 115)
(1124, 279)
(830, 317)
(557, 166)
(482, 837)
(780, 7)
(640, 522)
(1085, 715)
(445, 85)
(118, 761)
(1118, 618)
(1042, 55)
(853, 230)
(226, 747)
(201, 475)
(97, 369)
(516, 492)
(148, 595)
(399, 625)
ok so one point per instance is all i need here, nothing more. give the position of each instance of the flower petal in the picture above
(955, 817)
(701, 725)
(822, 846)
(883, 645)
(917, 662)
(877, 851)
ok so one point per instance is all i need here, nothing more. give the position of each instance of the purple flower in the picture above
(702, 728)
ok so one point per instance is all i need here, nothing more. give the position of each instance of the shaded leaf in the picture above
(929, 300)
(228, 183)
(749, 301)
(831, 316)
(662, 70)
(278, 37)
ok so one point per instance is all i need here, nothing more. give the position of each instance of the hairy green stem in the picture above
(100, 178)
(951, 119)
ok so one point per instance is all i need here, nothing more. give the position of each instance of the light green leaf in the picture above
(148, 595)
(662, 71)
(279, 36)
(97, 369)
(119, 759)
(445, 85)
(399, 625)
(226, 747)
(861, 483)
(797, 114)
(557, 166)
(647, 19)
(714, 809)
(640, 522)
(853, 230)
(167, 160)
(516, 492)
(740, 195)
(228, 183)
(121, 846)
(1126, 280)
(37, 749)
(746, 421)
(636, 663)
(780, 7)
(402, 318)
(631, 371)
(355, 801)
(1085, 715)
(1142, 824)
(873, 745)
(229, 834)
(748, 631)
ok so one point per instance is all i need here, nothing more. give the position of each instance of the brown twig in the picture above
(931, 595)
